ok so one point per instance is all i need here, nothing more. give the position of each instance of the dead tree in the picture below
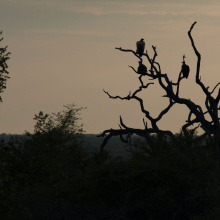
(197, 116)
(4, 56)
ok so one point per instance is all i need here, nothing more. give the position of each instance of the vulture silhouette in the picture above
(142, 69)
(185, 70)
(140, 47)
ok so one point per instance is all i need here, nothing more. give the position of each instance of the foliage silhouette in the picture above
(39, 164)
(49, 178)
(4, 57)
(171, 181)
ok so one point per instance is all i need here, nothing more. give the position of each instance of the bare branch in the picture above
(140, 79)
(122, 123)
(218, 97)
(196, 114)
(153, 60)
(165, 110)
(189, 116)
(133, 69)
(108, 134)
(184, 127)
(198, 78)
(124, 50)
(214, 88)
(117, 97)
(145, 123)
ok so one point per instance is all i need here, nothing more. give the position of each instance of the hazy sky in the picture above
(63, 52)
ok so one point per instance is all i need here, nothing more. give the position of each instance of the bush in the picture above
(39, 164)
(50, 175)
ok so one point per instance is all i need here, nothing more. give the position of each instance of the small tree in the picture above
(42, 163)
(197, 116)
(4, 57)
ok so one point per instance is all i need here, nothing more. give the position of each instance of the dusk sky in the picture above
(63, 52)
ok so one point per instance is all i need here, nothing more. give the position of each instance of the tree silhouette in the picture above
(4, 57)
(197, 116)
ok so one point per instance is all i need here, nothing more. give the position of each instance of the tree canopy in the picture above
(4, 57)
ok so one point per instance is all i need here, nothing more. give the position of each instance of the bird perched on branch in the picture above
(185, 68)
(140, 47)
(142, 69)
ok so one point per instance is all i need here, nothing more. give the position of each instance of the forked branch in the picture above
(196, 114)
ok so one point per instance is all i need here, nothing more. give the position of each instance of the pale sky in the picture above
(63, 51)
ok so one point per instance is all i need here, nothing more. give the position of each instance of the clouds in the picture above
(136, 8)
(53, 15)
(93, 33)
(141, 9)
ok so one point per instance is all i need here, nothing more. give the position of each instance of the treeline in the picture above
(91, 142)
(49, 174)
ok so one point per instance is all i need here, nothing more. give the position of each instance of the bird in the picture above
(142, 69)
(185, 70)
(140, 47)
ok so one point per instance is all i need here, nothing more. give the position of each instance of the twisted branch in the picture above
(167, 85)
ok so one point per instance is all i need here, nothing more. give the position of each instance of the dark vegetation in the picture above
(90, 142)
(53, 173)
(49, 174)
